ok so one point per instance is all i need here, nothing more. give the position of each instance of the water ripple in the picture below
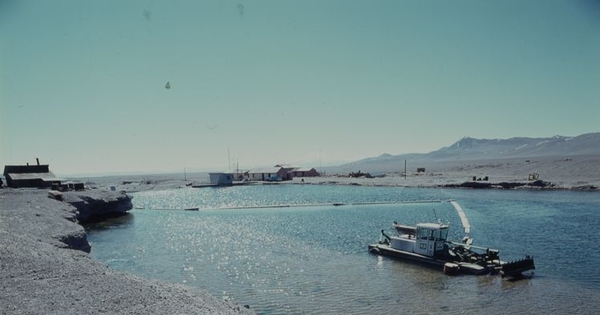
(313, 260)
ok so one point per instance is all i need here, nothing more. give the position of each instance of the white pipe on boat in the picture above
(463, 216)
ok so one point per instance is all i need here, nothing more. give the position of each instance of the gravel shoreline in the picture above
(44, 270)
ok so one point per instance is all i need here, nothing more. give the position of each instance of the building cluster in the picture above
(279, 172)
(40, 176)
(35, 176)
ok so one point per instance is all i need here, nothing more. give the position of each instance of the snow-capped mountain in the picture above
(469, 148)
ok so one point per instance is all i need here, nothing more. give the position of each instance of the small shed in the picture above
(269, 174)
(74, 186)
(288, 170)
(36, 176)
(305, 172)
(221, 179)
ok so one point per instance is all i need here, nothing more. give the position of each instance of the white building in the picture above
(221, 179)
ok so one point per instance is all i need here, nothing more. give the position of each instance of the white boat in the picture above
(427, 243)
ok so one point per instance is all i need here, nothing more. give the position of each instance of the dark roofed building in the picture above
(18, 176)
(269, 174)
(305, 172)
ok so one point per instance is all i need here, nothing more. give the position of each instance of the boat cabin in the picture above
(426, 239)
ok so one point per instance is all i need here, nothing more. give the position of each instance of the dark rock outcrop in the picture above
(75, 240)
(540, 184)
(96, 204)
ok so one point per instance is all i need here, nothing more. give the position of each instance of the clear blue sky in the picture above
(82, 83)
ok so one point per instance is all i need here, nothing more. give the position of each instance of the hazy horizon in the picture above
(336, 167)
(312, 83)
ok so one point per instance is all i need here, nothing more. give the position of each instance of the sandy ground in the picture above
(579, 172)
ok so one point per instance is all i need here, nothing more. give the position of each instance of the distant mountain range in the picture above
(483, 149)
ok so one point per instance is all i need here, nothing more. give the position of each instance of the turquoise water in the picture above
(312, 258)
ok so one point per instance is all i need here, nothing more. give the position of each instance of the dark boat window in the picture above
(442, 234)
(423, 234)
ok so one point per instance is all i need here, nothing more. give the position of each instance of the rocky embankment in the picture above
(45, 267)
(97, 204)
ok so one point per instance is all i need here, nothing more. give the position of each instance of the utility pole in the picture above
(320, 167)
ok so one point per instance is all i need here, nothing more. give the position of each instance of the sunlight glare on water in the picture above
(314, 259)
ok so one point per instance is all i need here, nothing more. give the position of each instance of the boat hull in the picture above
(463, 267)
(388, 251)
